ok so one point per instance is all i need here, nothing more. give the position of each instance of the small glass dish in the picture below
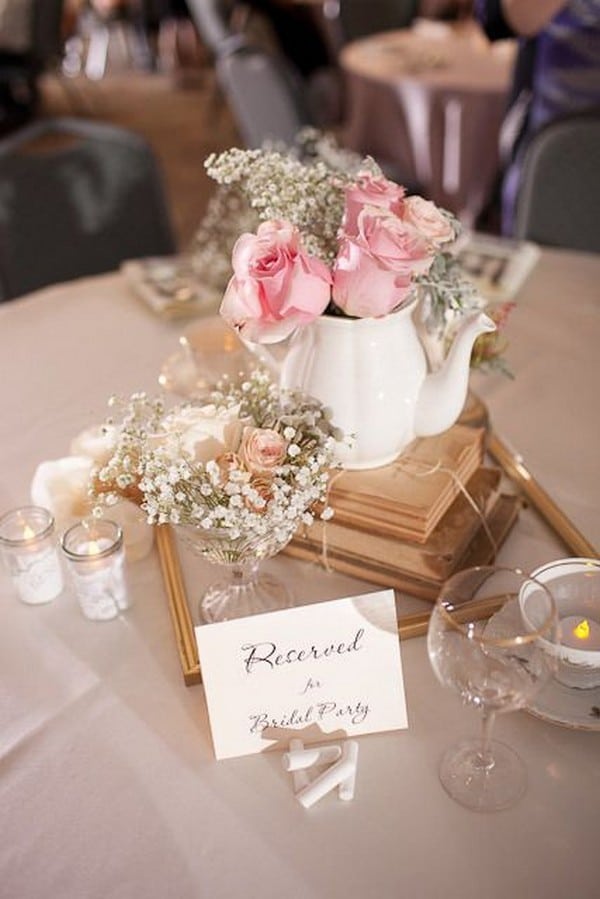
(575, 586)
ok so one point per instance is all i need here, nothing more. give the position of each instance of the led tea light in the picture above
(580, 633)
(96, 559)
(575, 585)
(28, 548)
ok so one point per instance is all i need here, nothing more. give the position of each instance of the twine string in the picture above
(423, 470)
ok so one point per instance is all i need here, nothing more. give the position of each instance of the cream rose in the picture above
(428, 220)
(202, 432)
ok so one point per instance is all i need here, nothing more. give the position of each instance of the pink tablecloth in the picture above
(430, 99)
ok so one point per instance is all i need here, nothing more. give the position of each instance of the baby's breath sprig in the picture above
(278, 185)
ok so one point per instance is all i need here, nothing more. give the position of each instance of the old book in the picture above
(408, 498)
(437, 557)
(480, 551)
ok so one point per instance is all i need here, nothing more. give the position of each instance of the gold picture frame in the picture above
(413, 625)
(178, 605)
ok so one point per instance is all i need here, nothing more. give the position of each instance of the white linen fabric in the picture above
(108, 784)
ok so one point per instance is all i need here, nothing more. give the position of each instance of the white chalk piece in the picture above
(313, 755)
(346, 788)
(343, 771)
(299, 777)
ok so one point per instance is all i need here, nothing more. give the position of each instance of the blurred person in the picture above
(18, 85)
(557, 73)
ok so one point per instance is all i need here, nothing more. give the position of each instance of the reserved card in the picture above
(325, 671)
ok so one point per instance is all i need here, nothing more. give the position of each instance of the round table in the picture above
(430, 100)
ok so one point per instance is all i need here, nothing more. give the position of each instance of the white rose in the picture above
(205, 432)
(61, 485)
(96, 443)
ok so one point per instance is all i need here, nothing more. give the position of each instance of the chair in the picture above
(76, 198)
(558, 202)
(270, 103)
(213, 20)
(265, 95)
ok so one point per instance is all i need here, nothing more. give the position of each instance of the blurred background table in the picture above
(431, 98)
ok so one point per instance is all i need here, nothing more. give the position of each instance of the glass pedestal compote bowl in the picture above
(496, 665)
(244, 589)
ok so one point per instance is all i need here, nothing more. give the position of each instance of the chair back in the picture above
(558, 202)
(265, 95)
(212, 21)
(77, 198)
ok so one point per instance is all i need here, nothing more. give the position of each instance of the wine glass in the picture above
(496, 664)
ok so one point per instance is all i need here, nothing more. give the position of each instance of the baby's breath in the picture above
(149, 464)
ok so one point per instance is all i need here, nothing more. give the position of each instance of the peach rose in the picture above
(373, 273)
(276, 285)
(262, 449)
(428, 219)
(263, 494)
(370, 190)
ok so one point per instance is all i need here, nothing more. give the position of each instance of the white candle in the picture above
(580, 632)
(94, 551)
(29, 552)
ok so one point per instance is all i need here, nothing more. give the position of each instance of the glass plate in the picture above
(568, 706)
(180, 375)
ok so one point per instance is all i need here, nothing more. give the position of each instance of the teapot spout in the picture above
(443, 392)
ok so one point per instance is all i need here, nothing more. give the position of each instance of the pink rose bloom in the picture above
(428, 219)
(276, 285)
(262, 449)
(373, 273)
(370, 190)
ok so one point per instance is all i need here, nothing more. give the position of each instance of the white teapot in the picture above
(372, 374)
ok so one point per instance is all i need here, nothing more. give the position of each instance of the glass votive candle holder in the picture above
(95, 557)
(29, 551)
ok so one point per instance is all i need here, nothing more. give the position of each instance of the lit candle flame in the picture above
(28, 533)
(582, 630)
(92, 548)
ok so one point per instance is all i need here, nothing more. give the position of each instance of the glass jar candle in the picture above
(93, 549)
(29, 552)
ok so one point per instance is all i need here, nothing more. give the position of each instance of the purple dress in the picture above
(562, 78)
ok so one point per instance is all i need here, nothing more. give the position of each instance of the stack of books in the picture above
(412, 524)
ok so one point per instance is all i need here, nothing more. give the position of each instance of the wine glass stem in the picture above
(487, 725)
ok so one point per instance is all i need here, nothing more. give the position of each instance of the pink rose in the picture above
(276, 285)
(428, 219)
(262, 449)
(370, 190)
(373, 273)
